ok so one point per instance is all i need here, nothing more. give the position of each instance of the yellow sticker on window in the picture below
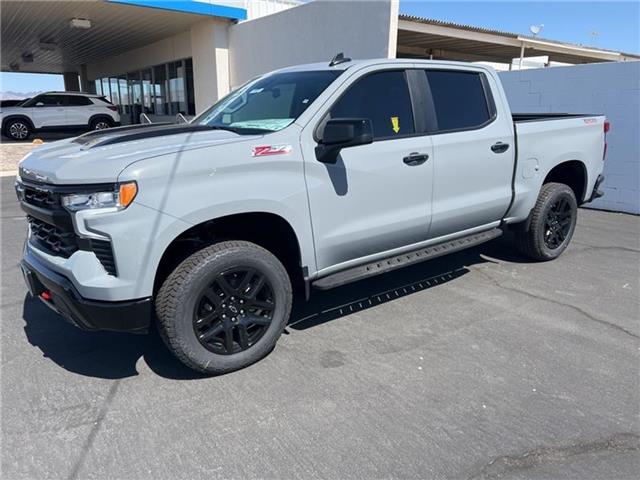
(395, 124)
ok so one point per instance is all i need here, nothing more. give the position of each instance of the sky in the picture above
(617, 23)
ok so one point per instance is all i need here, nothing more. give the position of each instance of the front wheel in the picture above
(224, 307)
(553, 221)
(18, 130)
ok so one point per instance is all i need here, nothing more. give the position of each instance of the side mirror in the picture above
(342, 133)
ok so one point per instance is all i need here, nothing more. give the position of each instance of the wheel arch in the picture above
(572, 173)
(17, 116)
(97, 116)
(280, 239)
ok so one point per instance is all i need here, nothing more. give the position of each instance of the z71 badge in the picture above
(265, 150)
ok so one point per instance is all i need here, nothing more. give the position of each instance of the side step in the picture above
(399, 261)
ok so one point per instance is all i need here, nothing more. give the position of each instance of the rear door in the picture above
(474, 152)
(374, 198)
(79, 110)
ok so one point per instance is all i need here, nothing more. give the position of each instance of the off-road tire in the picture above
(531, 241)
(177, 297)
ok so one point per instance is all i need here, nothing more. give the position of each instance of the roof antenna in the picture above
(338, 59)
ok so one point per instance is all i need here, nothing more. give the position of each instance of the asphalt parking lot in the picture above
(477, 365)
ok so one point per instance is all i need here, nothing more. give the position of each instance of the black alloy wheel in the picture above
(224, 307)
(551, 223)
(234, 311)
(557, 223)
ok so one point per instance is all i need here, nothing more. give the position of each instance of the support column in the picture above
(210, 54)
(85, 85)
(521, 57)
(71, 83)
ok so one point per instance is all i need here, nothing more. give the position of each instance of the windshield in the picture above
(269, 103)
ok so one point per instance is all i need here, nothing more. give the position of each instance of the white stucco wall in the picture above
(166, 50)
(609, 88)
(210, 47)
(312, 32)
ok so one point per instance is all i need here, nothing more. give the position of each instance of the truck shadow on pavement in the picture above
(113, 355)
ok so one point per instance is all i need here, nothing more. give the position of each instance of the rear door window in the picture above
(77, 101)
(459, 99)
(383, 98)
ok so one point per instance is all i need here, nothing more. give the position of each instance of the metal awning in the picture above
(37, 36)
(427, 38)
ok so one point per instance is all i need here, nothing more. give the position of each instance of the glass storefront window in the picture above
(159, 90)
(146, 91)
(135, 92)
(106, 91)
(125, 101)
(160, 97)
(115, 92)
(177, 88)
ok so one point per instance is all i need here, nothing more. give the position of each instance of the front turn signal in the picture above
(127, 193)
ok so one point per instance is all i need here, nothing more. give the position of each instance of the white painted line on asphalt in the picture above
(9, 173)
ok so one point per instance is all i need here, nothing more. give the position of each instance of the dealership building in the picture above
(163, 57)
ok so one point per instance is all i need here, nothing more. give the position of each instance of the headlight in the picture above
(120, 198)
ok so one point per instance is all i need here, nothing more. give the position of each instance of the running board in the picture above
(410, 258)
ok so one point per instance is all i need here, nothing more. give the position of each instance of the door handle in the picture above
(499, 147)
(415, 158)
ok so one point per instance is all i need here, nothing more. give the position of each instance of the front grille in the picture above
(52, 239)
(42, 198)
(59, 238)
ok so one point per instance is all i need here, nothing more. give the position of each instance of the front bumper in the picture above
(58, 292)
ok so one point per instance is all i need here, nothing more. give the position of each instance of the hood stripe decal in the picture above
(149, 131)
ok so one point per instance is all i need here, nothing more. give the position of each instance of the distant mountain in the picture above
(17, 95)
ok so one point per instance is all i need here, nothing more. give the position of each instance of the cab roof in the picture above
(374, 61)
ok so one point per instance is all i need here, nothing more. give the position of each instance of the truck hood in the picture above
(99, 157)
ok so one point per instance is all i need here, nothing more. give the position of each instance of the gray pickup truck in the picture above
(316, 175)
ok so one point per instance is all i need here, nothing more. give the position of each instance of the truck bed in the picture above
(544, 140)
(536, 117)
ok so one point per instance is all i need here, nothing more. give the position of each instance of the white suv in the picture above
(58, 111)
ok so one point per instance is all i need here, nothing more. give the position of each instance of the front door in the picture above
(49, 111)
(375, 198)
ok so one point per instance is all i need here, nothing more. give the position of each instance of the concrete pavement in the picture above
(476, 365)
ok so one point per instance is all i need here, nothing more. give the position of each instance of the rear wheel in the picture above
(100, 124)
(224, 307)
(553, 221)
(18, 130)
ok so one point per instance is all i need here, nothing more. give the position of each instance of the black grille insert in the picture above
(52, 239)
